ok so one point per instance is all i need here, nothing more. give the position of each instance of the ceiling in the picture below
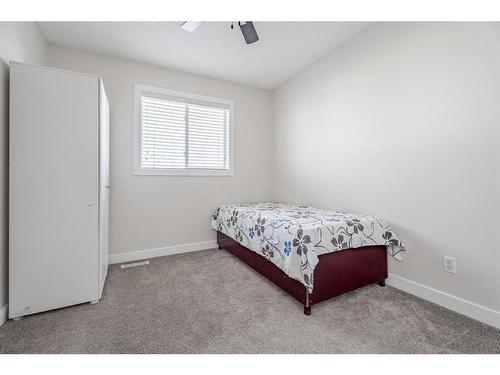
(214, 50)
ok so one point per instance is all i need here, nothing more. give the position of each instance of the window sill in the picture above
(184, 172)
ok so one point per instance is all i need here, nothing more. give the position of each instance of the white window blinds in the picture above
(182, 134)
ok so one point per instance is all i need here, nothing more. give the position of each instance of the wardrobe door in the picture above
(105, 187)
(53, 252)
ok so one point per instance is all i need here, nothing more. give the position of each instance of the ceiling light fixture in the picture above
(190, 26)
(247, 29)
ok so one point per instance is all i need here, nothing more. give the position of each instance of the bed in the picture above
(311, 253)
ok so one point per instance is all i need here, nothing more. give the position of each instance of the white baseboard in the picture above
(467, 308)
(161, 251)
(3, 313)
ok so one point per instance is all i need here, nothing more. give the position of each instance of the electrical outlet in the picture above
(450, 264)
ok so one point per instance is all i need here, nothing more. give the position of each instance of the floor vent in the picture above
(135, 264)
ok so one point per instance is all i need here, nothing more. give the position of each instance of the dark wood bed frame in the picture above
(335, 274)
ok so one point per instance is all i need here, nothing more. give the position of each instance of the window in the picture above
(182, 134)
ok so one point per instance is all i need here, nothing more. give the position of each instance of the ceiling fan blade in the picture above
(190, 26)
(249, 33)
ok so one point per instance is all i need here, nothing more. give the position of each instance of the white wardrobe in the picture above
(58, 189)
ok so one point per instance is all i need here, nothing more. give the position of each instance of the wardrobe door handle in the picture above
(107, 186)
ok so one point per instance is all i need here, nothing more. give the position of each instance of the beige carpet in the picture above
(210, 302)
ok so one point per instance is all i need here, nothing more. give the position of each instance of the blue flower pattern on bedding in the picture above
(288, 248)
(292, 237)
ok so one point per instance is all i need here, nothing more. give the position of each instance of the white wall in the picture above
(19, 41)
(402, 122)
(157, 211)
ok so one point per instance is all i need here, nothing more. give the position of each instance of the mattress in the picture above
(293, 237)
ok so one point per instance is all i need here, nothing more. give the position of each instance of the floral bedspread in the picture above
(292, 237)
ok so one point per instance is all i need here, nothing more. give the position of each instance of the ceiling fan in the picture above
(247, 29)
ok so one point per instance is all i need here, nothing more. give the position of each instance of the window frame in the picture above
(190, 98)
